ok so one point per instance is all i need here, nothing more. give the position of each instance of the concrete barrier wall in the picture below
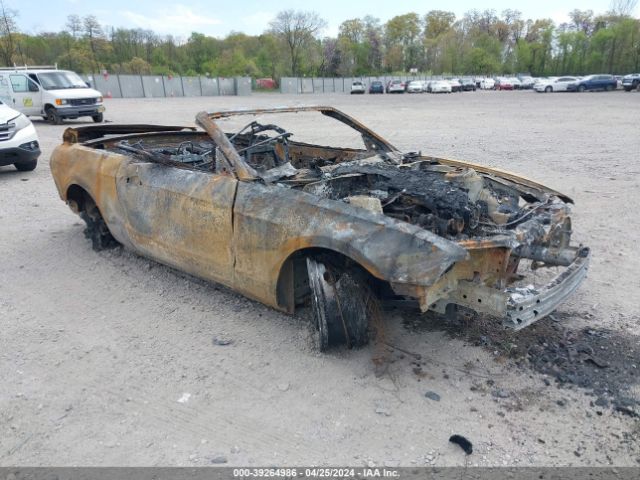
(191, 87)
(243, 85)
(109, 86)
(209, 87)
(306, 85)
(153, 86)
(173, 86)
(131, 86)
(290, 85)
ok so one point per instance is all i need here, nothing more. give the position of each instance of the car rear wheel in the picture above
(341, 302)
(26, 165)
(97, 230)
(582, 88)
(549, 89)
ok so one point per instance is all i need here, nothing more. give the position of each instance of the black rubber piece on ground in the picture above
(464, 444)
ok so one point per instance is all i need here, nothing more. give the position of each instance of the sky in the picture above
(181, 17)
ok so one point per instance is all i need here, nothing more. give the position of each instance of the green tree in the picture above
(297, 30)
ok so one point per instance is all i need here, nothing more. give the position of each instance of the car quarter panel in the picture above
(95, 171)
(272, 222)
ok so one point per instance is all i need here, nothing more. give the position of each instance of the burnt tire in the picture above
(339, 301)
(97, 230)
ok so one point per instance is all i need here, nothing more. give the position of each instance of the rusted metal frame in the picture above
(325, 110)
(239, 167)
(84, 134)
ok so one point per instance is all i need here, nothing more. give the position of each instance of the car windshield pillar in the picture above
(240, 168)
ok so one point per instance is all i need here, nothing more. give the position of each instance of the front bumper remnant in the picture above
(526, 305)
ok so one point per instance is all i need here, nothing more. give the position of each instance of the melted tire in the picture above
(97, 230)
(339, 304)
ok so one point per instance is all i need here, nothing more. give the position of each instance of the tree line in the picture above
(480, 42)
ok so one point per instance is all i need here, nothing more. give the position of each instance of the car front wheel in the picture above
(98, 117)
(582, 88)
(340, 301)
(26, 165)
(53, 117)
(548, 89)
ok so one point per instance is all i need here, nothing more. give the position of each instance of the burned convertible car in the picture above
(286, 222)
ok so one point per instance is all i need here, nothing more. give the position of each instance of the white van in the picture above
(51, 93)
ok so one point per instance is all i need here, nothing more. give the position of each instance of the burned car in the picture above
(287, 222)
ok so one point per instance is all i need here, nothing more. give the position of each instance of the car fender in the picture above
(95, 171)
(272, 222)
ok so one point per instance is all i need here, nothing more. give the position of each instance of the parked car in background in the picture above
(395, 86)
(594, 82)
(19, 144)
(554, 84)
(415, 86)
(50, 93)
(517, 85)
(468, 85)
(440, 86)
(456, 86)
(487, 84)
(357, 87)
(376, 87)
(503, 83)
(631, 81)
(526, 82)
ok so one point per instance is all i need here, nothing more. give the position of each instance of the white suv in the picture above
(18, 140)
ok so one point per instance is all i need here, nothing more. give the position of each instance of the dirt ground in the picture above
(108, 358)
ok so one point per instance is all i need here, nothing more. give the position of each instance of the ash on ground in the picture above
(605, 363)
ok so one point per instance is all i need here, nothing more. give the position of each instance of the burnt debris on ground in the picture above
(605, 363)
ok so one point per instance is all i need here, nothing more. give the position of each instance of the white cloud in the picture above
(179, 20)
(259, 20)
(560, 17)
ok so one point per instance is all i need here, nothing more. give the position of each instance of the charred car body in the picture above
(282, 221)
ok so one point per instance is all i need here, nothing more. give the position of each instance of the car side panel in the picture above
(272, 222)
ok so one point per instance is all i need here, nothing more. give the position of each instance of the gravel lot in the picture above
(107, 358)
